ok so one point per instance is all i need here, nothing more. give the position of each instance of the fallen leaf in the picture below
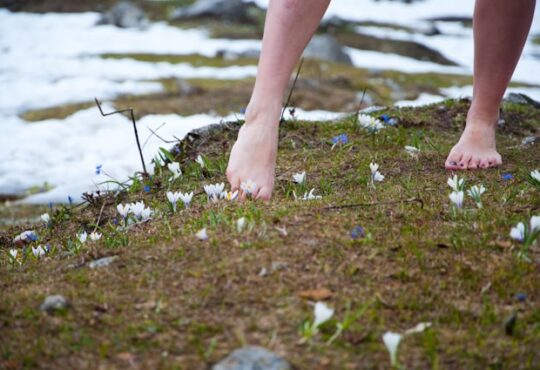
(316, 294)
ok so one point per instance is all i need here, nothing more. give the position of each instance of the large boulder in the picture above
(125, 14)
(326, 47)
(252, 358)
(231, 10)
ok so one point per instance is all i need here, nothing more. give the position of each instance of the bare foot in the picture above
(253, 156)
(476, 148)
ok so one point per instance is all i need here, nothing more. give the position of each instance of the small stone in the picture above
(252, 358)
(326, 47)
(528, 140)
(125, 14)
(54, 303)
(102, 262)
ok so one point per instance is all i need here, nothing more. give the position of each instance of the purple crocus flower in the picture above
(98, 169)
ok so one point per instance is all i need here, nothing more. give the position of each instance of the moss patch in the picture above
(170, 300)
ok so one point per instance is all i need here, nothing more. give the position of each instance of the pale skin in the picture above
(500, 31)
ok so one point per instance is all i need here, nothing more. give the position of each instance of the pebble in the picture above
(102, 262)
(54, 303)
(252, 358)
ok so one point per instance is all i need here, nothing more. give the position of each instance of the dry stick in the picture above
(99, 217)
(292, 89)
(357, 205)
(360, 105)
(130, 110)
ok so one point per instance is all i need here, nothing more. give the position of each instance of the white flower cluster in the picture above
(137, 209)
(372, 124)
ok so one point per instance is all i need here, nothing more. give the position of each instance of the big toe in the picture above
(452, 161)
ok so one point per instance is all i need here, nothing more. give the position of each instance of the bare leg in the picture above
(500, 32)
(289, 26)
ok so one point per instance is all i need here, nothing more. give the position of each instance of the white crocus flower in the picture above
(13, 253)
(213, 191)
(322, 313)
(518, 232)
(173, 198)
(146, 214)
(412, 150)
(374, 167)
(376, 176)
(536, 175)
(95, 236)
(137, 208)
(174, 167)
(370, 123)
(456, 183)
(186, 198)
(46, 219)
(38, 252)
(535, 224)
(123, 210)
(249, 187)
(240, 223)
(229, 195)
(200, 161)
(202, 234)
(82, 237)
(456, 197)
(475, 192)
(308, 196)
(391, 341)
(299, 178)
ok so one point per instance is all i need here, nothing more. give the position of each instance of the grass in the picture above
(171, 301)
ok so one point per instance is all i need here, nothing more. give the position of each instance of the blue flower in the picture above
(243, 110)
(384, 117)
(521, 297)
(507, 176)
(32, 236)
(340, 139)
(147, 188)
(70, 199)
(358, 232)
(50, 205)
(98, 169)
(176, 150)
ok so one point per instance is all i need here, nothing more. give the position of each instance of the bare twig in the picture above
(130, 110)
(292, 89)
(360, 105)
(100, 213)
(154, 133)
(358, 205)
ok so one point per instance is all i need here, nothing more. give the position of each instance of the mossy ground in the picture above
(172, 301)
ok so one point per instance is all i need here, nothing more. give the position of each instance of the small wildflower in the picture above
(308, 196)
(137, 208)
(123, 210)
(535, 175)
(82, 237)
(38, 252)
(240, 223)
(358, 232)
(456, 197)
(200, 161)
(418, 328)
(521, 297)
(518, 232)
(376, 176)
(299, 178)
(13, 253)
(456, 183)
(173, 198)
(202, 234)
(249, 187)
(535, 224)
(147, 188)
(373, 125)
(213, 191)
(322, 313)
(174, 167)
(98, 169)
(146, 214)
(27, 236)
(186, 198)
(95, 236)
(229, 195)
(70, 199)
(46, 219)
(412, 151)
(475, 192)
(391, 341)
(507, 176)
(340, 139)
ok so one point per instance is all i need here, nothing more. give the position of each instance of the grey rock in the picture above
(333, 22)
(326, 47)
(518, 98)
(233, 55)
(54, 303)
(125, 14)
(528, 140)
(252, 358)
(102, 262)
(232, 10)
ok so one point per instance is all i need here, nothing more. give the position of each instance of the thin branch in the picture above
(292, 89)
(130, 110)
(358, 205)
(360, 105)
(154, 133)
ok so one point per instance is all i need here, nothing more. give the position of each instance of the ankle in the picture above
(264, 113)
(483, 117)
